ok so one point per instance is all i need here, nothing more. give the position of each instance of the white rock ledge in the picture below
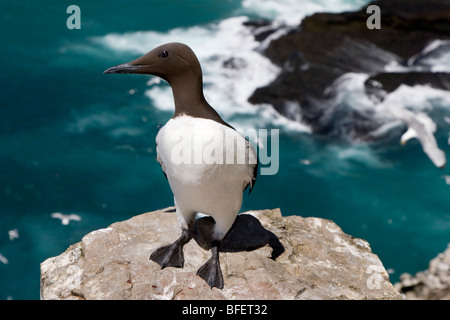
(320, 262)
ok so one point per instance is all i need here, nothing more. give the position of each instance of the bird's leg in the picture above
(210, 271)
(172, 254)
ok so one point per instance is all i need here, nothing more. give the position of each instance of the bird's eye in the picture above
(163, 54)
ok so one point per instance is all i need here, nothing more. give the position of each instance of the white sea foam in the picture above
(341, 159)
(293, 11)
(230, 57)
(414, 106)
(116, 124)
(435, 57)
(350, 89)
(411, 106)
(102, 119)
(232, 69)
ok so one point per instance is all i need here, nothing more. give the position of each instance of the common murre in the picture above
(213, 188)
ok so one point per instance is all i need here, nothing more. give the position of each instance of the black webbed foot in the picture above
(172, 255)
(246, 234)
(210, 271)
(275, 244)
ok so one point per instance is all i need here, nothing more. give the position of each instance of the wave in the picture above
(291, 12)
(231, 58)
(418, 107)
(435, 57)
(234, 67)
(116, 124)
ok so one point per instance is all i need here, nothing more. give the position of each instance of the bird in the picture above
(3, 259)
(13, 234)
(421, 127)
(196, 151)
(65, 218)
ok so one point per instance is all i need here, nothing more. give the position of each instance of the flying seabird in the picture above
(3, 259)
(13, 234)
(196, 133)
(65, 218)
(421, 127)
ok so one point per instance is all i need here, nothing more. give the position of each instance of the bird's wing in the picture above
(409, 134)
(57, 215)
(430, 147)
(423, 128)
(253, 163)
(73, 217)
(158, 158)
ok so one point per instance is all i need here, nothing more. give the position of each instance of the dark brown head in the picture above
(168, 61)
(177, 64)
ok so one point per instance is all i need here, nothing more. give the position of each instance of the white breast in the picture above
(207, 165)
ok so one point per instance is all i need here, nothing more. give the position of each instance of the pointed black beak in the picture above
(124, 68)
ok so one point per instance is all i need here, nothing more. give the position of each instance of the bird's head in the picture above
(167, 61)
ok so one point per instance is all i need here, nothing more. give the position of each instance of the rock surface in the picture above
(431, 284)
(320, 261)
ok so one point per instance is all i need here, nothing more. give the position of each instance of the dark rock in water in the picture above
(261, 28)
(234, 63)
(246, 234)
(326, 46)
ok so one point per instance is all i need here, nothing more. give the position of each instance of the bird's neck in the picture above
(188, 95)
(189, 99)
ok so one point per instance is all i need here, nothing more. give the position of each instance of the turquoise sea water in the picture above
(73, 140)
